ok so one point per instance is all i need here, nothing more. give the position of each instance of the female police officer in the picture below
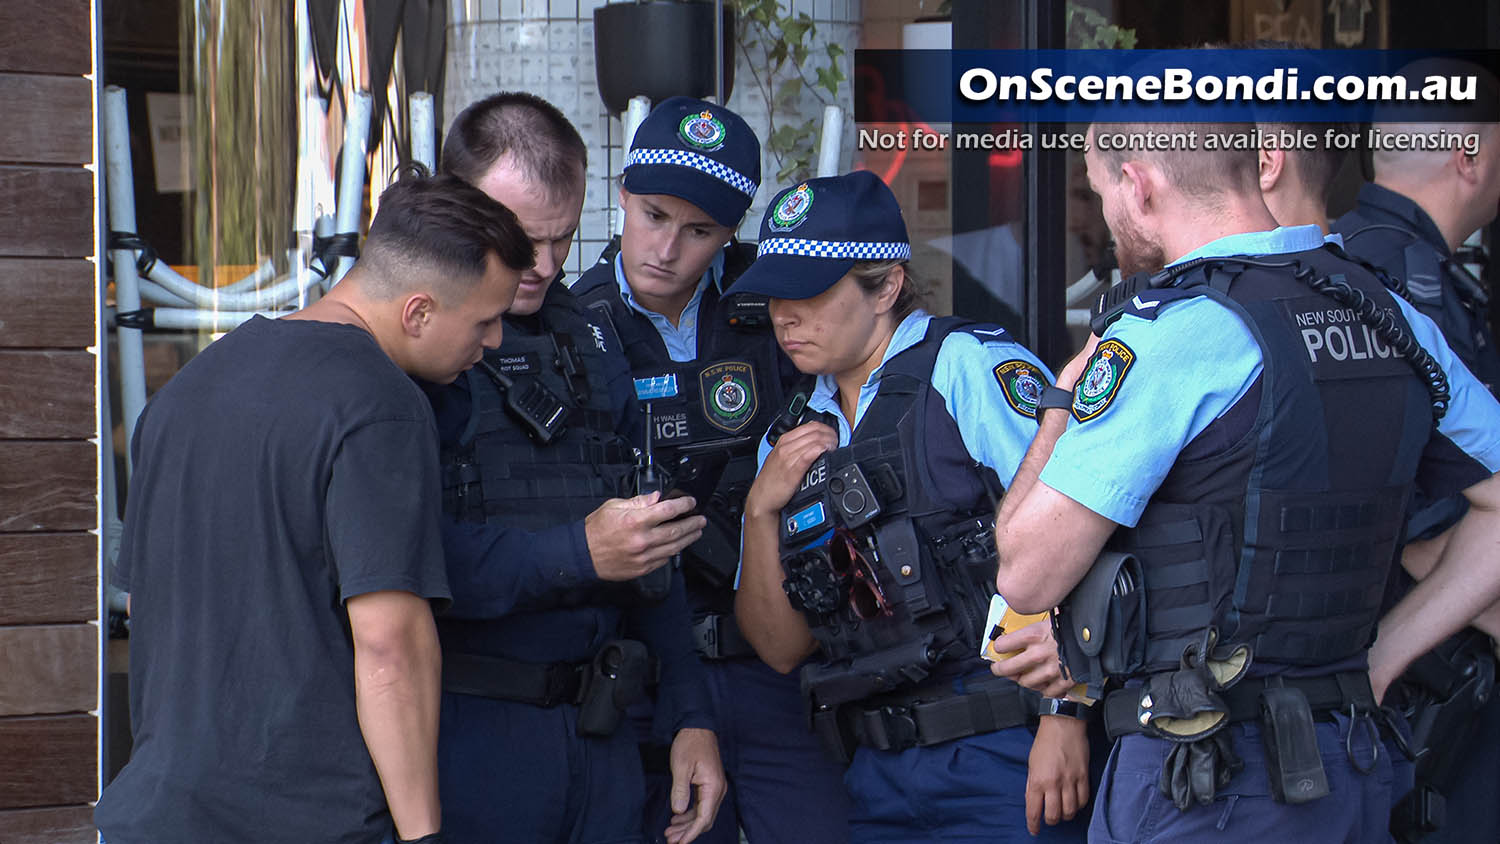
(867, 532)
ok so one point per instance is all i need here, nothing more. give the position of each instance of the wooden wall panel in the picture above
(47, 486)
(46, 302)
(48, 578)
(48, 119)
(49, 761)
(48, 212)
(48, 669)
(47, 395)
(70, 825)
(46, 36)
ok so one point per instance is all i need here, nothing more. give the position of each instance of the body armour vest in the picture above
(888, 546)
(705, 435)
(500, 472)
(1283, 540)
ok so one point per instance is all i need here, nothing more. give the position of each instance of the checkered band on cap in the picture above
(685, 158)
(858, 250)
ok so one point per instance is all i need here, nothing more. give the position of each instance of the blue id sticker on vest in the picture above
(728, 393)
(656, 387)
(1022, 384)
(1102, 379)
(812, 516)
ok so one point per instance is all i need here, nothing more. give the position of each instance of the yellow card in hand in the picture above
(1002, 620)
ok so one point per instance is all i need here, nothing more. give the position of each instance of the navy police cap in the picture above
(699, 152)
(814, 232)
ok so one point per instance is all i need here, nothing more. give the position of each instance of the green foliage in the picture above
(1089, 30)
(785, 66)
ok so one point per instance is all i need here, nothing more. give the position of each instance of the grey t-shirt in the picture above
(287, 468)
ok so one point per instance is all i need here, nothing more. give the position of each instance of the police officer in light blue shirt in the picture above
(708, 369)
(1240, 438)
(868, 540)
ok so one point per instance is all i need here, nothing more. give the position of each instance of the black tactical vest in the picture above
(497, 471)
(1284, 541)
(919, 510)
(726, 398)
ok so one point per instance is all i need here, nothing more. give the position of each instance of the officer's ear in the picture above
(416, 313)
(1139, 183)
(890, 289)
(1272, 167)
(1467, 165)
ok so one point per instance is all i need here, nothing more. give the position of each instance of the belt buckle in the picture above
(706, 636)
(900, 726)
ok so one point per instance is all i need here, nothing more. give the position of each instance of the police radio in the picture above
(538, 410)
(654, 585)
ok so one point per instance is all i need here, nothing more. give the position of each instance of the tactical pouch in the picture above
(834, 733)
(616, 679)
(1101, 626)
(1293, 762)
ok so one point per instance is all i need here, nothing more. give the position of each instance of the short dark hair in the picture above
(444, 223)
(1193, 170)
(541, 141)
(1318, 164)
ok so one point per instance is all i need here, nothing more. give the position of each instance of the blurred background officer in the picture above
(247, 731)
(868, 533)
(542, 549)
(1410, 222)
(719, 378)
(1260, 489)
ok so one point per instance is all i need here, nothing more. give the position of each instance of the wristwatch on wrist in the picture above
(1054, 397)
(1066, 708)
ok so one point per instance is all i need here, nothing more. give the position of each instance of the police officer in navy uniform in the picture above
(1410, 222)
(709, 369)
(868, 534)
(1239, 438)
(550, 556)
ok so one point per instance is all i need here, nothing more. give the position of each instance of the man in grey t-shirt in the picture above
(281, 546)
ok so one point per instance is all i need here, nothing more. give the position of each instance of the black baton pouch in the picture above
(616, 679)
(1293, 762)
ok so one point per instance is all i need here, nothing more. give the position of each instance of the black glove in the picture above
(430, 838)
(1195, 771)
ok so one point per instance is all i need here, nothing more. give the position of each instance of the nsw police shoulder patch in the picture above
(1022, 383)
(1101, 381)
(728, 394)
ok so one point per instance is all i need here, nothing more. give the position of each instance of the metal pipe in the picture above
(120, 188)
(719, 51)
(352, 174)
(831, 142)
(423, 137)
(635, 114)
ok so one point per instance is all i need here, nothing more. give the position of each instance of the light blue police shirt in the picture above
(1192, 363)
(681, 339)
(996, 434)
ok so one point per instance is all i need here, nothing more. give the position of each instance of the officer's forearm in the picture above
(1053, 423)
(1419, 558)
(776, 630)
(1463, 583)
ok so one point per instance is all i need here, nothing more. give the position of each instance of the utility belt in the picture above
(601, 688)
(924, 717)
(1203, 760)
(717, 636)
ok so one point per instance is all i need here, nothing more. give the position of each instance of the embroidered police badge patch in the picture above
(702, 130)
(792, 209)
(728, 395)
(1022, 383)
(1102, 380)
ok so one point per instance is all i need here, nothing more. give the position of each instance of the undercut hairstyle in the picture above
(1196, 172)
(540, 141)
(439, 223)
(870, 275)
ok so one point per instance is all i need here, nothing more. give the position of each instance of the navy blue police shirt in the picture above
(507, 582)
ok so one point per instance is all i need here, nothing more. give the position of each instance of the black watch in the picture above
(1054, 397)
(1066, 708)
(429, 838)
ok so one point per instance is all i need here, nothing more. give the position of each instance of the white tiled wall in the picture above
(547, 47)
